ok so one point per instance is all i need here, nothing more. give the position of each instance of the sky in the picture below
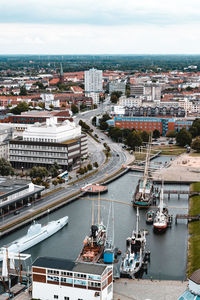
(99, 27)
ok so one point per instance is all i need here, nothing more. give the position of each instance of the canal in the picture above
(168, 250)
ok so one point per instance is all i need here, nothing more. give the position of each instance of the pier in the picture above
(187, 217)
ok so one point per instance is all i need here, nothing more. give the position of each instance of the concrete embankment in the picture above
(125, 289)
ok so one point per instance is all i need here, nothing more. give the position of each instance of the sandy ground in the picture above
(183, 168)
(125, 289)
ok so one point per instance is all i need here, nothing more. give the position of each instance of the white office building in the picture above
(45, 143)
(93, 81)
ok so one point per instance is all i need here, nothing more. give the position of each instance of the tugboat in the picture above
(161, 218)
(150, 216)
(135, 254)
(143, 195)
(93, 245)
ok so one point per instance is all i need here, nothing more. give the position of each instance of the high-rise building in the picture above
(93, 81)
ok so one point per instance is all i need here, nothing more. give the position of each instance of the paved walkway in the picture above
(125, 289)
(183, 168)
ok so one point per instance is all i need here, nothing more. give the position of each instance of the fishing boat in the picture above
(161, 218)
(144, 192)
(36, 234)
(150, 216)
(133, 259)
(94, 244)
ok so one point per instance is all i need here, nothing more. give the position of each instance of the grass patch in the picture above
(195, 187)
(194, 231)
(170, 149)
(194, 154)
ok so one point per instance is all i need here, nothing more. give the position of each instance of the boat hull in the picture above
(27, 242)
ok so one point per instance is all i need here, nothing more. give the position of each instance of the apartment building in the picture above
(93, 81)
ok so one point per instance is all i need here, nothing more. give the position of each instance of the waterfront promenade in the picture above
(126, 289)
(184, 168)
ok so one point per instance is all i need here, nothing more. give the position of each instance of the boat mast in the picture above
(137, 221)
(161, 198)
(98, 219)
(146, 168)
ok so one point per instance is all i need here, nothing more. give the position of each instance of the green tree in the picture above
(156, 134)
(5, 167)
(95, 164)
(54, 170)
(183, 137)
(134, 140)
(74, 109)
(51, 106)
(89, 166)
(144, 136)
(23, 91)
(196, 144)
(195, 128)
(40, 172)
(22, 106)
(54, 182)
(115, 96)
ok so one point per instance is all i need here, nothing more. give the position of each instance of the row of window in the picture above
(42, 160)
(38, 153)
(78, 275)
(65, 297)
(52, 148)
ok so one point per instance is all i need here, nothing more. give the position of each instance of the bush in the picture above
(89, 167)
(95, 164)
(55, 182)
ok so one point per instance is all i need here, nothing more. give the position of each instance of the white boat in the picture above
(36, 234)
(161, 218)
(135, 252)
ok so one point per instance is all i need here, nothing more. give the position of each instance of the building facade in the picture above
(118, 86)
(93, 81)
(149, 124)
(43, 144)
(62, 279)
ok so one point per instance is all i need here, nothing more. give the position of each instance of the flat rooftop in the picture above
(10, 185)
(69, 265)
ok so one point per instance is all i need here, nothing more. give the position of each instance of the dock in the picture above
(14, 291)
(94, 189)
(187, 217)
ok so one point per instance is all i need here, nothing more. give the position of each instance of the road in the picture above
(118, 157)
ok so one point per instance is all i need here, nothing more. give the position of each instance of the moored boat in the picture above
(36, 234)
(144, 192)
(150, 216)
(133, 259)
(161, 218)
(93, 245)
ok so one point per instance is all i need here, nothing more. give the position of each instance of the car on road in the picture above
(17, 212)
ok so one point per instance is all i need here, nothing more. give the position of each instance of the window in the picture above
(55, 296)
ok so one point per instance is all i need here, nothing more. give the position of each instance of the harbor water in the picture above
(168, 250)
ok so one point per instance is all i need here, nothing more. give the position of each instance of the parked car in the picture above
(17, 212)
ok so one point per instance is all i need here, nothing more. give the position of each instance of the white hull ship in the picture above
(161, 218)
(36, 234)
(135, 252)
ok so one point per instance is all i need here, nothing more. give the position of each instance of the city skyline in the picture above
(113, 27)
